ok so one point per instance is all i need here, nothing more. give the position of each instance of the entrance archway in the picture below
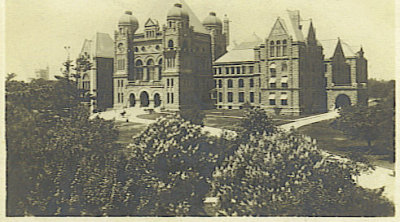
(157, 100)
(132, 100)
(342, 101)
(144, 99)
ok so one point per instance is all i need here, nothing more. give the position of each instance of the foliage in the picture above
(168, 166)
(368, 123)
(59, 161)
(285, 174)
(380, 88)
(193, 115)
(255, 121)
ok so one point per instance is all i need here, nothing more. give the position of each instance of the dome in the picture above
(177, 12)
(212, 19)
(128, 19)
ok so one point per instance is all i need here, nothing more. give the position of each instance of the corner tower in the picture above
(123, 62)
(218, 40)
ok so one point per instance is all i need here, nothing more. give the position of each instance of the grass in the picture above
(152, 116)
(222, 122)
(128, 130)
(335, 142)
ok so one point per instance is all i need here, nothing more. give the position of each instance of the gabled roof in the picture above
(237, 55)
(329, 47)
(101, 45)
(291, 23)
(151, 22)
(244, 52)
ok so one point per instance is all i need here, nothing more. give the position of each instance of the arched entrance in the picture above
(132, 100)
(144, 99)
(157, 100)
(342, 101)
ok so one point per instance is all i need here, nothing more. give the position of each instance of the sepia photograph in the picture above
(211, 109)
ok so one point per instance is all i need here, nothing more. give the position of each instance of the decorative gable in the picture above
(149, 23)
(278, 29)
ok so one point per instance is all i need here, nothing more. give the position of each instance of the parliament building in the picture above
(185, 63)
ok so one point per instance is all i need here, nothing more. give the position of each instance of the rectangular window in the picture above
(215, 71)
(259, 97)
(238, 70)
(122, 83)
(230, 83)
(272, 85)
(172, 97)
(122, 97)
(284, 50)
(232, 70)
(284, 102)
(119, 97)
(167, 82)
(219, 83)
(252, 97)
(121, 64)
(244, 69)
(251, 69)
(227, 70)
(172, 83)
(167, 97)
(272, 102)
(251, 83)
(241, 97)
(220, 70)
(220, 97)
(285, 85)
(230, 97)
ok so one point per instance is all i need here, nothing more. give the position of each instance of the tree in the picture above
(168, 167)
(285, 174)
(60, 162)
(255, 121)
(193, 115)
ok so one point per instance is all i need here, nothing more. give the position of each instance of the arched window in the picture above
(251, 82)
(284, 48)
(272, 49)
(160, 68)
(278, 48)
(230, 83)
(170, 44)
(85, 82)
(150, 70)
(139, 70)
(284, 67)
(272, 70)
(241, 83)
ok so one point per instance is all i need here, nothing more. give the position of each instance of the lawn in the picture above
(334, 141)
(128, 130)
(152, 116)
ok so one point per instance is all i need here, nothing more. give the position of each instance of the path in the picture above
(376, 179)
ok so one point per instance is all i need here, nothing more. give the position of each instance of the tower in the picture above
(123, 49)
(226, 30)
(218, 40)
(176, 41)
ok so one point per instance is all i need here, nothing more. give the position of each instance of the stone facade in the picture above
(185, 64)
(291, 73)
(169, 66)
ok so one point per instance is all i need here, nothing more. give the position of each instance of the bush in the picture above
(194, 116)
(168, 167)
(285, 174)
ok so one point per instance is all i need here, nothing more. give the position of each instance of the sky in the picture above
(38, 30)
